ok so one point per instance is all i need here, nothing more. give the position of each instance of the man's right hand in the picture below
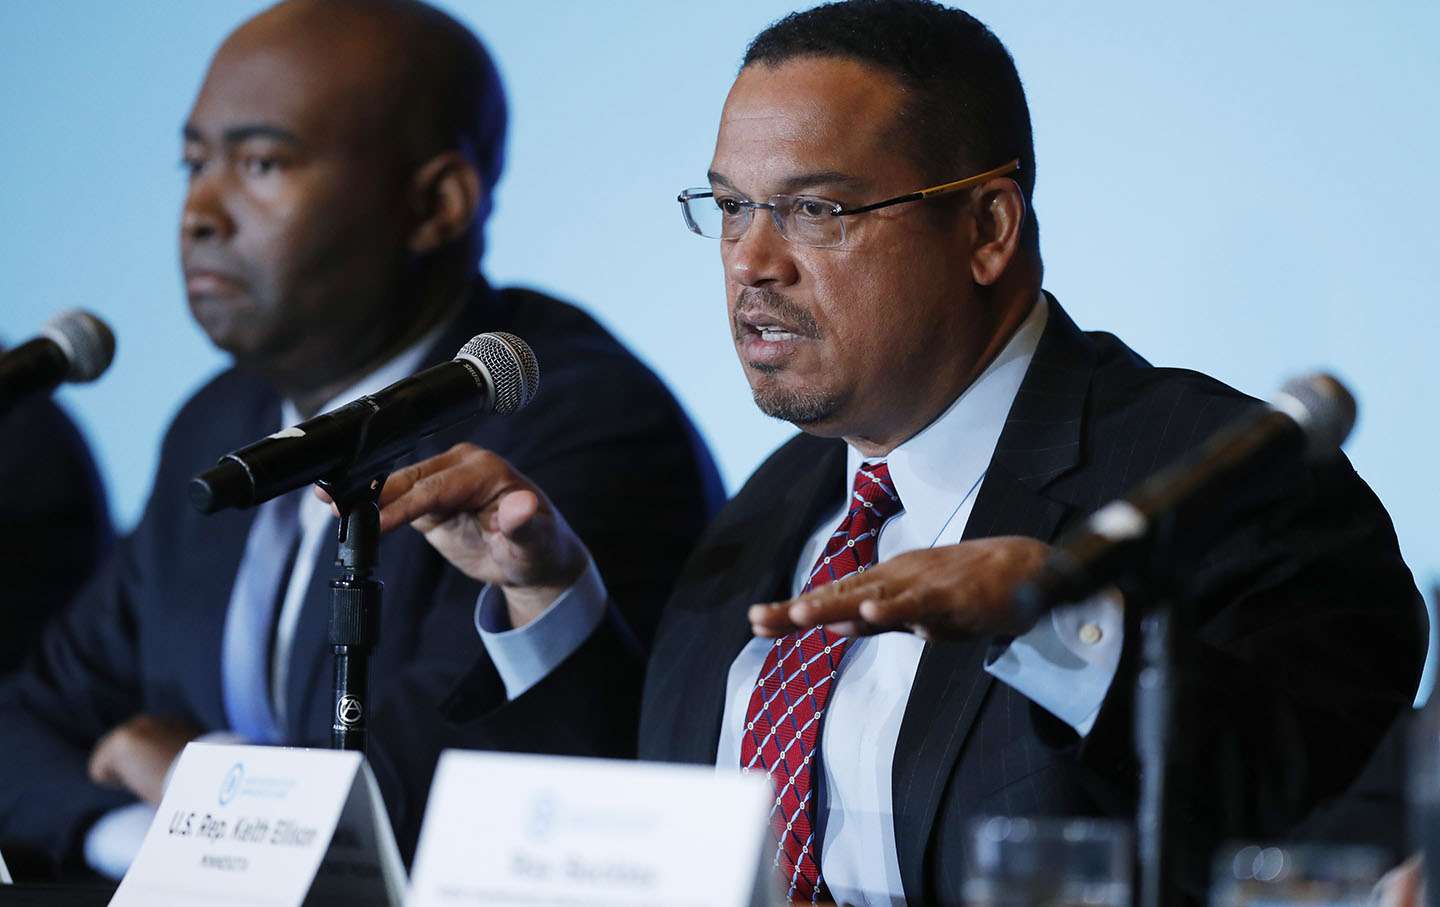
(491, 522)
(137, 755)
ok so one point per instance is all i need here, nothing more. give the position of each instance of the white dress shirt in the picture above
(1065, 663)
(114, 839)
(938, 474)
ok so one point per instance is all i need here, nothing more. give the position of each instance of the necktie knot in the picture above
(874, 492)
(852, 547)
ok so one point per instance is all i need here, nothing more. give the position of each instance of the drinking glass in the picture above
(1018, 862)
(1254, 875)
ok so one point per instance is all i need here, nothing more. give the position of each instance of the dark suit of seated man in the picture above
(56, 527)
(342, 159)
(870, 190)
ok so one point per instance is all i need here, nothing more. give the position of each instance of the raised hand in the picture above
(956, 591)
(491, 522)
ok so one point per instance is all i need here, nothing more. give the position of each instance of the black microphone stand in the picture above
(354, 604)
(1158, 692)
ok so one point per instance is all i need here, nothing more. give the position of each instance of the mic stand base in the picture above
(1158, 691)
(1154, 723)
(354, 606)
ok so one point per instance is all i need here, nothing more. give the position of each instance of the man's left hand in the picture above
(137, 754)
(953, 591)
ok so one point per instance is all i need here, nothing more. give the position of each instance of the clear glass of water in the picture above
(1254, 875)
(1016, 862)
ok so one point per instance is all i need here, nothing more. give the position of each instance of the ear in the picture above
(446, 193)
(998, 221)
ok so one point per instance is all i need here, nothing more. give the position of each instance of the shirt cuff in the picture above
(1066, 664)
(525, 656)
(113, 841)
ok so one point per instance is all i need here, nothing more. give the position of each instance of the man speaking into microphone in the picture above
(342, 159)
(845, 626)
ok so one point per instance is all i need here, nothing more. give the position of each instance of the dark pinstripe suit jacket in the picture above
(1308, 630)
(146, 636)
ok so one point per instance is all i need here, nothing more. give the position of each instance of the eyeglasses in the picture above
(807, 220)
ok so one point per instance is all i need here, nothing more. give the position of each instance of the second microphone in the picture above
(493, 373)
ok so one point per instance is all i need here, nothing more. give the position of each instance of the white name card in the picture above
(5, 873)
(266, 825)
(507, 830)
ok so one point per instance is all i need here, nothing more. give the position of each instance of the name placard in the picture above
(5, 872)
(267, 825)
(507, 830)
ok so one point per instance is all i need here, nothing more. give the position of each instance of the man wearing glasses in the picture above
(955, 423)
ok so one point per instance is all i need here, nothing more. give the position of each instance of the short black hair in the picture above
(966, 111)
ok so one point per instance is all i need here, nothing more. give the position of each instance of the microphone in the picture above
(73, 346)
(493, 373)
(1306, 421)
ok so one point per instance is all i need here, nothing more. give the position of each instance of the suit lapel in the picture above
(1040, 441)
(810, 497)
(203, 581)
(753, 558)
(206, 578)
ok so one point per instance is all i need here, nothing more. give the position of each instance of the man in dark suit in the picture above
(56, 529)
(870, 189)
(342, 160)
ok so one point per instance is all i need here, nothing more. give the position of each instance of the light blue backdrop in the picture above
(1244, 188)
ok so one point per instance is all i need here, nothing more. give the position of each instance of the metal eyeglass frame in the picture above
(836, 208)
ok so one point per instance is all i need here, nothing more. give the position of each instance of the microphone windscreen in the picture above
(86, 341)
(508, 363)
(1323, 409)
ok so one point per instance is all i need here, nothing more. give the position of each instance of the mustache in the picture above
(754, 301)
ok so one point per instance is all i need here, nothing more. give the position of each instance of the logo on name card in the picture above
(230, 784)
(543, 813)
(348, 710)
(550, 815)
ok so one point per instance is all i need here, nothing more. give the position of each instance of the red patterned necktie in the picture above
(782, 722)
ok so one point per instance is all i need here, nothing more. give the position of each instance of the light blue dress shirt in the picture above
(1066, 663)
(113, 841)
